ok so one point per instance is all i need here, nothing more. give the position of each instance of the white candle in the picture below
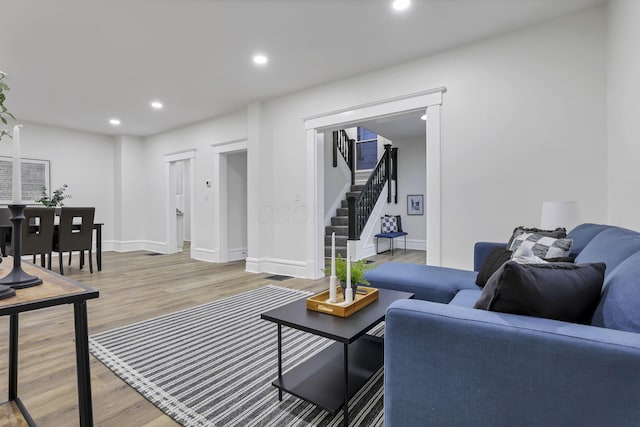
(348, 266)
(333, 254)
(17, 177)
(349, 297)
(332, 279)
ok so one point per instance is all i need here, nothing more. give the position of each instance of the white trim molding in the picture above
(230, 146)
(283, 267)
(221, 196)
(170, 205)
(236, 254)
(134, 245)
(181, 155)
(203, 254)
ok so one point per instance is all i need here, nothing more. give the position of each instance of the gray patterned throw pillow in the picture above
(543, 246)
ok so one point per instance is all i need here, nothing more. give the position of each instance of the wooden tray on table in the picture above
(364, 297)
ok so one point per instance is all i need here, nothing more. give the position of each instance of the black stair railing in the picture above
(345, 146)
(361, 206)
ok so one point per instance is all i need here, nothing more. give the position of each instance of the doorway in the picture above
(428, 102)
(231, 201)
(179, 205)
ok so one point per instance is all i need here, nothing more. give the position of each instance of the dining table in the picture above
(6, 231)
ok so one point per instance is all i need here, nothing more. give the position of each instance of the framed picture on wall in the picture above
(35, 177)
(415, 204)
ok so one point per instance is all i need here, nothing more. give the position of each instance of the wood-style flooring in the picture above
(133, 286)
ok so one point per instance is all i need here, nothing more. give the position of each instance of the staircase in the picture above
(360, 201)
(340, 225)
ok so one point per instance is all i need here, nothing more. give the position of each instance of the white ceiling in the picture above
(398, 128)
(77, 63)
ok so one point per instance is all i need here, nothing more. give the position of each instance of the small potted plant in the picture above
(357, 273)
(56, 199)
(4, 113)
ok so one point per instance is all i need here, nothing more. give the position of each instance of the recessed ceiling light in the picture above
(401, 4)
(423, 117)
(157, 105)
(114, 122)
(260, 59)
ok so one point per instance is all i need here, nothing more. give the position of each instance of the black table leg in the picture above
(345, 422)
(280, 361)
(82, 364)
(13, 356)
(99, 246)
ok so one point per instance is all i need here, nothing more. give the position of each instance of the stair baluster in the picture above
(346, 147)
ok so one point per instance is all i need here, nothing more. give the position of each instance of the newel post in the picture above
(387, 169)
(351, 205)
(394, 171)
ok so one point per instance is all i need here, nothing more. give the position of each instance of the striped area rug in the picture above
(213, 365)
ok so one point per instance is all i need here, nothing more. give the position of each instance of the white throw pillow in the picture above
(524, 255)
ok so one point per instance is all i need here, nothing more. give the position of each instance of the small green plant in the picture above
(4, 114)
(357, 271)
(56, 199)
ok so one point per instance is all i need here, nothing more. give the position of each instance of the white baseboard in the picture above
(134, 245)
(398, 244)
(237, 254)
(277, 266)
(202, 254)
(418, 245)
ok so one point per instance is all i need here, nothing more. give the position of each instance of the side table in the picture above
(55, 290)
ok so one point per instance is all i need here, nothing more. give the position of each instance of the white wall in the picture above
(623, 111)
(522, 122)
(129, 184)
(412, 178)
(200, 137)
(81, 160)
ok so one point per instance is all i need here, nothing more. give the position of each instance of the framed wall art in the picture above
(415, 204)
(35, 176)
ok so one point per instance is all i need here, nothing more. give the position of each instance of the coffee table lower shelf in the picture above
(320, 380)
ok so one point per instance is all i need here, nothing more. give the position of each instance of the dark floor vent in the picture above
(279, 278)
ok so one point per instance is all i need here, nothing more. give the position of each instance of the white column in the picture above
(433, 200)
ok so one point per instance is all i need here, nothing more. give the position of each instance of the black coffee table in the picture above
(330, 378)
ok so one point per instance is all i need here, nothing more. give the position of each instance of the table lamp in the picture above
(559, 214)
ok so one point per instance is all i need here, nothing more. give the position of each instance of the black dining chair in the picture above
(5, 229)
(74, 233)
(37, 233)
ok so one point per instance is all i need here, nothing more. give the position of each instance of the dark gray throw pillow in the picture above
(494, 260)
(560, 291)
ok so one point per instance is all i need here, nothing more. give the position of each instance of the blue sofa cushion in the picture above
(466, 298)
(619, 307)
(438, 284)
(611, 246)
(583, 234)
(560, 291)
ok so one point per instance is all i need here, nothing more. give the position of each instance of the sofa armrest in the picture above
(481, 250)
(457, 366)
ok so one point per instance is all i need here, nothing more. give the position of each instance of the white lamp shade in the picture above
(559, 214)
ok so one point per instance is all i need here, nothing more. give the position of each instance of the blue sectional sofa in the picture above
(448, 364)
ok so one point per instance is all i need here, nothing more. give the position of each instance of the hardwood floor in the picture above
(133, 286)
